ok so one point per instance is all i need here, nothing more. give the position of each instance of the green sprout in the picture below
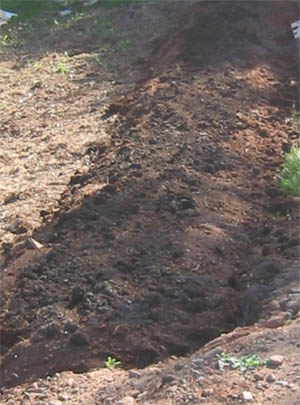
(111, 362)
(289, 182)
(61, 68)
(243, 363)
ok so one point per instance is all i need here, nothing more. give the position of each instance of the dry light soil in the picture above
(140, 215)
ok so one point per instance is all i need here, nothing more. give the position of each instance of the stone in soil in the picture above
(270, 378)
(247, 396)
(276, 360)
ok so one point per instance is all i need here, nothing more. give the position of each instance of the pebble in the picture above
(270, 378)
(282, 383)
(167, 378)
(127, 401)
(247, 396)
(208, 392)
(213, 353)
(258, 377)
(293, 307)
(172, 388)
(221, 365)
(70, 382)
(201, 381)
(275, 306)
(283, 303)
(197, 363)
(63, 397)
(234, 397)
(134, 374)
(276, 360)
(259, 386)
(274, 322)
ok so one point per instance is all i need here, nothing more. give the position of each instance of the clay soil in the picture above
(140, 213)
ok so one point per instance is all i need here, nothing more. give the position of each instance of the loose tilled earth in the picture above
(140, 214)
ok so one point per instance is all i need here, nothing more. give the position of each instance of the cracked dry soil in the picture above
(153, 195)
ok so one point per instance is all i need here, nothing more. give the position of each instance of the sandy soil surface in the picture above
(140, 215)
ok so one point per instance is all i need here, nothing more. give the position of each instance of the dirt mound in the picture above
(169, 239)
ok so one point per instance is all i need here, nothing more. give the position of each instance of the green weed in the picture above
(111, 362)
(243, 363)
(289, 182)
(123, 44)
(61, 68)
(5, 40)
(10, 40)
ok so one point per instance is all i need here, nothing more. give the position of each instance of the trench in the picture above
(168, 253)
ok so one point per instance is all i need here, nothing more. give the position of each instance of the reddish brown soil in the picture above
(175, 232)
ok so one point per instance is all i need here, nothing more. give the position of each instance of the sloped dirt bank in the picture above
(177, 232)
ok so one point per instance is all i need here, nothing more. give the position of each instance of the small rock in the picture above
(172, 389)
(63, 397)
(258, 377)
(247, 396)
(259, 386)
(293, 307)
(201, 381)
(282, 383)
(283, 303)
(35, 390)
(275, 360)
(127, 401)
(11, 197)
(70, 382)
(275, 322)
(167, 378)
(293, 387)
(234, 397)
(54, 403)
(208, 392)
(270, 378)
(197, 363)
(134, 374)
(221, 365)
(275, 305)
(213, 353)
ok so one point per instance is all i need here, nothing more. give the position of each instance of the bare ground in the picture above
(146, 170)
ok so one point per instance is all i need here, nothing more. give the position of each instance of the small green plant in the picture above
(123, 44)
(10, 40)
(243, 363)
(61, 68)
(289, 182)
(5, 39)
(111, 362)
(97, 59)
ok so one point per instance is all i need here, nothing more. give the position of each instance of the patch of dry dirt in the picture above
(152, 190)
